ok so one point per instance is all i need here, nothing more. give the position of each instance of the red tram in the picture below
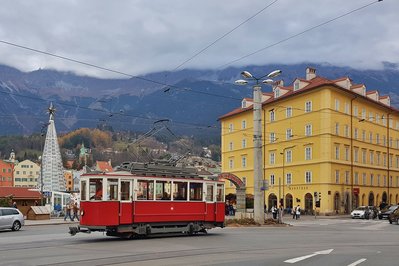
(143, 199)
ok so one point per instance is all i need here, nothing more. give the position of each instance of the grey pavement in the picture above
(53, 221)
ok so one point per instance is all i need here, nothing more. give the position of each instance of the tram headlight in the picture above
(82, 213)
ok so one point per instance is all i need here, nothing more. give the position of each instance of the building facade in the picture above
(6, 174)
(26, 174)
(325, 141)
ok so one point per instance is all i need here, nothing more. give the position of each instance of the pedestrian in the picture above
(14, 205)
(298, 212)
(68, 208)
(75, 211)
(274, 212)
(294, 213)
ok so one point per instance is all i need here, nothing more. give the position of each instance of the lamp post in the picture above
(257, 137)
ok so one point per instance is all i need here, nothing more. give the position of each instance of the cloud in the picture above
(139, 37)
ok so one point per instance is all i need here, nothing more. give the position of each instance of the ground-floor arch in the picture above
(384, 197)
(337, 201)
(271, 201)
(308, 203)
(289, 201)
(371, 199)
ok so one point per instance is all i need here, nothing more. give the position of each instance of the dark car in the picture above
(384, 213)
(394, 216)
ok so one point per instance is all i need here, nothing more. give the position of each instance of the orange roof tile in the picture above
(104, 166)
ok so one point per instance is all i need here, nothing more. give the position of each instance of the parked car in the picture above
(364, 212)
(394, 216)
(384, 213)
(11, 218)
(359, 212)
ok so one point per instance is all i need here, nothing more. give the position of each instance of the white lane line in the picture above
(323, 252)
(357, 262)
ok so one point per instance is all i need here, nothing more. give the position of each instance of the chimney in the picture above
(310, 73)
(280, 83)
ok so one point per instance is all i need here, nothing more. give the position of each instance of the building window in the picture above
(377, 138)
(272, 116)
(243, 161)
(384, 140)
(397, 161)
(377, 118)
(288, 156)
(272, 137)
(288, 112)
(371, 118)
(296, 86)
(356, 178)
(231, 163)
(308, 177)
(364, 179)
(336, 152)
(336, 105)
(371, 157)
(244, 180)
(308, 130)
(288, 134)
(355, 133)
(364, 153)
(272, 180)
(272, 158)
(356, 155)
(364, 135)
(347, 177)
(231, 128)
(346, 153)
(378, 158)
(308, 153)
(231, 146)
(363, 113)
(371, 137)
(355, 111)
(346, 129)
(371, 179)
(243, 124)
(289, 178)
(308, 107)
(336, 176)
(347, 108)
(384, 158)
(385, 181)
(244, 143)
(276, 93)
(336, 128)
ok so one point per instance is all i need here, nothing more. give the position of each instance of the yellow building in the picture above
(68, 175)
(26, 174)
(321, 138)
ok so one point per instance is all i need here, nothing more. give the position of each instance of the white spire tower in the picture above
(53, 177)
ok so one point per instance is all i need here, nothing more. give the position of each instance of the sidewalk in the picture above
(53, 221)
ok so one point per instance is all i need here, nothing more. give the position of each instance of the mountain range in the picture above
(190, 103)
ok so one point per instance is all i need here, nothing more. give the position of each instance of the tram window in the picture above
(220, 192)
(112, 189)
(196, 191)
(145, 190)
(179, 190)
(162, 190)
(96, 189)
(209, 192)
(125, 190)
(83, 190)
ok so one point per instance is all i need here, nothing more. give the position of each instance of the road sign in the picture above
(47, 194)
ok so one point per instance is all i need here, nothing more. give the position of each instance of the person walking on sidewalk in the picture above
(298, 212)
(68, 208)
(75, 211)
(294, 213)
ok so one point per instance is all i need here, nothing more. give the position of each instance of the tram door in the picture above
(126, 206)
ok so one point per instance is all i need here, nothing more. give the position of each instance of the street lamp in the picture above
(257, 137)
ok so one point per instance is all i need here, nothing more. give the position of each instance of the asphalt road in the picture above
(307, 242)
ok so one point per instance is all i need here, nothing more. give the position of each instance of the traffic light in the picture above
(318, 204)
(319, 196)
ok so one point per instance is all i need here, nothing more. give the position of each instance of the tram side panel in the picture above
(215, 212)
(105, 213)
(126, 213)
(156, 211)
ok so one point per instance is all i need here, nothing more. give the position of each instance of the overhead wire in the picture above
(299, 34)
(223, 36)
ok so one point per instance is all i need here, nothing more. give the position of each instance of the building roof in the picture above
(314, 83)
(19, 193)
(104, 166)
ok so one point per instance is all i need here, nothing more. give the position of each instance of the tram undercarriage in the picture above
(136, 230)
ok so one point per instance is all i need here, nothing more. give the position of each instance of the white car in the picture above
(359, 212)
(11, 218)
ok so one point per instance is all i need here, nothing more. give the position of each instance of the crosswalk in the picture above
(355, 223)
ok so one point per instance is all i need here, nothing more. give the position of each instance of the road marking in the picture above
(357, 262)
(323, 252)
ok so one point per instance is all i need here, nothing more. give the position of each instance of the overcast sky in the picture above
(138, 37)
